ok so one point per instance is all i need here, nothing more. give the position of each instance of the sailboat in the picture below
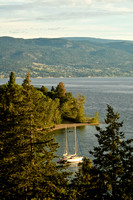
(66, 156)
(75, 158)
(70, 158)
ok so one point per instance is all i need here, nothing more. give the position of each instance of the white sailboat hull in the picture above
(74, 159)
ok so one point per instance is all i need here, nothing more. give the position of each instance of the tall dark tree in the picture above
(52, 89)
(11, 81)
(112, 157)
(11, 97)
(110, 176)
(126, 181)
(26, 151)
(44, 90)
(44, 179)
(27, 81)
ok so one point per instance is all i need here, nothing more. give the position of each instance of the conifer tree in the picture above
(110, 175)
(45, 180)
(52, 89)
(44, 90)
(112, 157)
(11, 95)
(26, 152)
(27, 81)
(12, 79)
(126, 181)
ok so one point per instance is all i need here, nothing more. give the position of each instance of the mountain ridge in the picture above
(66, 57)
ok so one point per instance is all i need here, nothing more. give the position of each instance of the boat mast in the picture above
(75, 142)
(66, 141)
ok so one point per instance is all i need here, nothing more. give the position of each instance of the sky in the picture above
(107, 19)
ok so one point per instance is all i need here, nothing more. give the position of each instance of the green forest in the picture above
(27, 148)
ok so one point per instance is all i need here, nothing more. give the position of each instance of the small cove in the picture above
(117, 92)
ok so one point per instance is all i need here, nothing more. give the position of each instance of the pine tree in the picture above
(27, 81)
(110, 174)
(126, 181)
(45, 181)
(11, 81)
(26, 151)
(44, 90)
(110, 157)
(11, 95)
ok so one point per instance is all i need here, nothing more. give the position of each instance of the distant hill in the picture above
(65, 57)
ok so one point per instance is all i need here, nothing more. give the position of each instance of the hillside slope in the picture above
(66, 57)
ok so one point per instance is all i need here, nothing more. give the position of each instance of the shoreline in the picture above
(71, 125)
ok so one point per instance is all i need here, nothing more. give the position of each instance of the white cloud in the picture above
(56, 17)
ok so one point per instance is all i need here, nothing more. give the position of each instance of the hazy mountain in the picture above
(66, 57)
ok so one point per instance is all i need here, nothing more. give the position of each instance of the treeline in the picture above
(56, 105)
(27, 169)
(69, 107)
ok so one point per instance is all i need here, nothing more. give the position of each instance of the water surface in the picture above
(117, 92)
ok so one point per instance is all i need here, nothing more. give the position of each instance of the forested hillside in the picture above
(66, 57)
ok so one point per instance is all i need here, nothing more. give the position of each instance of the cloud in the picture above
(62, 15)
(24, 10)
(57, 4)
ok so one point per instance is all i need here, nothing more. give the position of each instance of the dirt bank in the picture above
(70, 125)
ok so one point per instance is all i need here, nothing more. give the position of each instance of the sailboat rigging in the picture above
(75, 157)
(70, 158)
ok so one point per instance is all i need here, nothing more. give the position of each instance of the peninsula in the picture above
(53, 107)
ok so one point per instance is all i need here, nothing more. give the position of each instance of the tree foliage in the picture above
(73, 57)
(62, 105)
(86, 184)
(111, 175)
(12, 79)
(27, 170)
(73, 108)
(60, 90)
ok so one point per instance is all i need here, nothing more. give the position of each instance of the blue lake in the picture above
(117, 92)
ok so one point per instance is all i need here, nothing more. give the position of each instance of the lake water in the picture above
(117, 92)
